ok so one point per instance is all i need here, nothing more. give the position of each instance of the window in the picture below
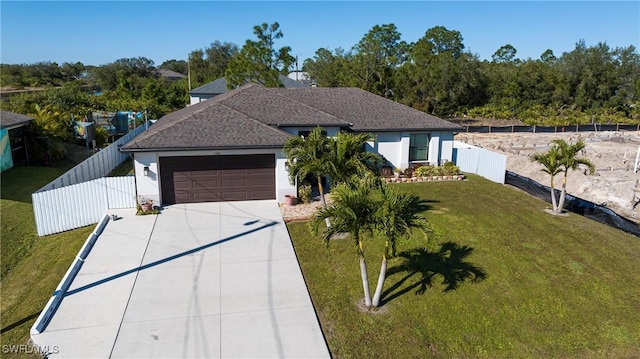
(419, 147)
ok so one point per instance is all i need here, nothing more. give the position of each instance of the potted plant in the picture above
(146, 204)
(290, 200)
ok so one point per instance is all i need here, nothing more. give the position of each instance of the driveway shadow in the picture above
(421, 268)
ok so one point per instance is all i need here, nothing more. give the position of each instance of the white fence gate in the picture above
(81, 204)
(488, 164)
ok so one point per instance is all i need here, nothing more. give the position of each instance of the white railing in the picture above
(96, 166)
(472, 159)
(82, 204)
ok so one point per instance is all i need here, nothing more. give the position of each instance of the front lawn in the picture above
(555, 287)
(32, 266)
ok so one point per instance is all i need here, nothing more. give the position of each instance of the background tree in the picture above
(328, 69)
(440, 77)
(375, 59)
(179, 66)
(211, 63)
(259, 61)
(126, 74)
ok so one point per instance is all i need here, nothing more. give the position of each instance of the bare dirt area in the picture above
(614, 153)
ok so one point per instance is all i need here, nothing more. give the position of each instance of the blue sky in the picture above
(97, 33)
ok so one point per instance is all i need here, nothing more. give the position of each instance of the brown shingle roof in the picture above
(248, 116)
(367, 111)
(10, 119)
(207, 125)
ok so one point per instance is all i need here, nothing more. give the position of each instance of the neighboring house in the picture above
(170, 75)
(230, 147)
(219, 86)
(303, 77)
(13, 139)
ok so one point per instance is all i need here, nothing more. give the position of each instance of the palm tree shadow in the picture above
(448, 263)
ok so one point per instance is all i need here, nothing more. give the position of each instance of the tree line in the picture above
(435, 74)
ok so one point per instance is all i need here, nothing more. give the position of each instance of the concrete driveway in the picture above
(208, 280)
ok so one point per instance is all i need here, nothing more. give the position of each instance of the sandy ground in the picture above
(614, 153)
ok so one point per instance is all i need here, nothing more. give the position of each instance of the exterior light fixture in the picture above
(146, 171)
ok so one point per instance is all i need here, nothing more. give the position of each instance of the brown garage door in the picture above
(192, 179)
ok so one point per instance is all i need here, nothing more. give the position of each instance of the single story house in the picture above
(219, 86)
(13, 139)
(230, 147)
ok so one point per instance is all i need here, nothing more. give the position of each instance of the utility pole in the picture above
(189, 71)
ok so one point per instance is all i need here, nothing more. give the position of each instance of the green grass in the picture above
(556, 287)
(32, 266)
(126, 168)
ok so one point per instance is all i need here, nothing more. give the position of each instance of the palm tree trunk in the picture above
(324, 203)
(327, 221)
(563, 193)
(365, 282)
(381, 278)
(554, 202)
(363, 274)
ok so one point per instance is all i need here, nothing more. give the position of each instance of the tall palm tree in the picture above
(570, 161)
(550, 161)
(352, 211)
(396, 215)
(309, 156)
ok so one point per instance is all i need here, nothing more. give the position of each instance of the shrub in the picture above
(304, 192)
(450, 169)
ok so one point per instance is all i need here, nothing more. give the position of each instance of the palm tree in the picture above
(550, 161)
(349, 157)
(309, 156)
(569, 161)
(352, 211)
(397, 214)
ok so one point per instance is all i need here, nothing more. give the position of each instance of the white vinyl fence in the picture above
(96, 166)
(480, 161)
(81, 204)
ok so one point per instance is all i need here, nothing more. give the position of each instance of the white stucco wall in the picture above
(150, 187)
(394, 146)
(147, 187)
(197, 99)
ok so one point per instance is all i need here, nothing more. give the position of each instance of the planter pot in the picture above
(448, 178)
(438, 178)
(147, 206)
(404, 179)
(414, 179)
(290, 200)
(424, 179)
